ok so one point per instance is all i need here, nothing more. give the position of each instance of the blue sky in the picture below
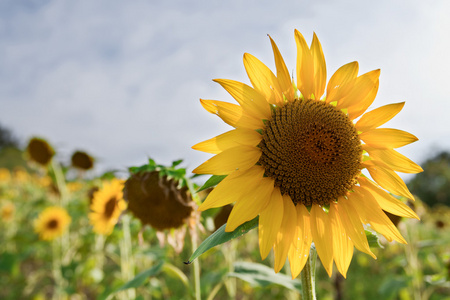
(122, 79)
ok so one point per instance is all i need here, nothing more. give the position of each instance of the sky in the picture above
(122, 80)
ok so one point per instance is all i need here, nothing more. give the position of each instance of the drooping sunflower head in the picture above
(107, 206)
(296, 154)
(157, 200)
(52, 223)
(40, 151)
(83, 161)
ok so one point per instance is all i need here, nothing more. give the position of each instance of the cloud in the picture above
(122, 80)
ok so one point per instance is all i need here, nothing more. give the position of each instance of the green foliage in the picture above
(220, 236)
(432, 186)
(212, 182)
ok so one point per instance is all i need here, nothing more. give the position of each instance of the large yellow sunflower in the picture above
(107, 205)
(295, 159)
(52, 223)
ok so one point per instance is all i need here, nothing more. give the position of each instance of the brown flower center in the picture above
(110, 206)
(52, 224)
(312, 151)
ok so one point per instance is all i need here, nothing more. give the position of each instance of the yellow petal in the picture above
(270, 222)
(233, 188)
(252, 205)
(386, 201)
(340, 78)
(320, 68)
(342, 245)
(239, 157)
(360, 107)
(387, 138)
(351, 221)
(393, 160)
(305, 67)
(363, 86)
(301, 244)
(320, 229)
(282, 73)
(286, 233)
(387, 179)
(230, 139)
(250, 100)
(378, 116)
(232, 114)
(375, 216)
(263, 79)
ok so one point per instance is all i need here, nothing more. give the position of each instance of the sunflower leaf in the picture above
(141, 278)
(220, 237)
(212, 181)
(373, 239)
(259, 275)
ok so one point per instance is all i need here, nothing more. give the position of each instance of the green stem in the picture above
(56, 269)
(196, 267)
(126, 259)
(308, 275)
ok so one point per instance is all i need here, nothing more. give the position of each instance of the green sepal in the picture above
(220, 237)
(211, 182)
(373, 239)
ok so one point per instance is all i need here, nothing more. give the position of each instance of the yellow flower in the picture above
(7, 211)
(5, 175)
(295, 158)
(107, 205)
(52, 223)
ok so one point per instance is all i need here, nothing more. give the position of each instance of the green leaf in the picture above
(259, 275)
(141, 278)
(176, 163)
(212, 181)
(372, 238)
(220, 237)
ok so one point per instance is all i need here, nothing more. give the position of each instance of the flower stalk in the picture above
(308, 276)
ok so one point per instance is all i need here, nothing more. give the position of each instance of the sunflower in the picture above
(7, 212)
(81, 160)
(107, 205)
(158, 200)
(52, 223)
(295, 158)
(40, 151)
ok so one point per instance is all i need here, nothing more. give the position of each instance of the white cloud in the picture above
(122, 80)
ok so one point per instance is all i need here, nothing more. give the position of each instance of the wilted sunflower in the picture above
(40, 151)
(157, 200)
(107, 205)
(295, 159)
(82, 160)
(52, 223)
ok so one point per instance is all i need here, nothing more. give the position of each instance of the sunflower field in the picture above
(72, 256)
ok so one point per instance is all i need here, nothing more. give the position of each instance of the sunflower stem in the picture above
(196, 264)
(126, 259)
(308, 276)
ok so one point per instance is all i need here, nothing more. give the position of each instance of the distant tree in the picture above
(432, 186)
(7, 139)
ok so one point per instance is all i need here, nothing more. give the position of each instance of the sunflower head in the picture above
(158, 200)
(296, 154)
(52, 223)
(40, 151)
(107, 206)
(83, 161)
